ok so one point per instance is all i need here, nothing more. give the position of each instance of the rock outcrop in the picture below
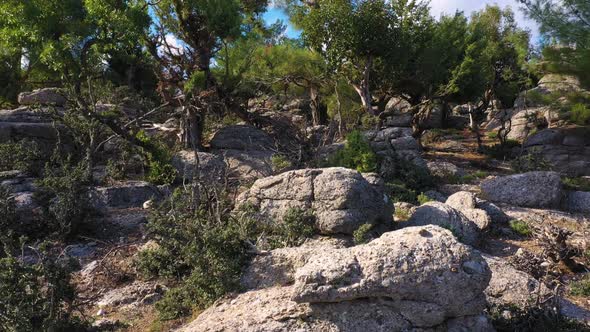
(341, 199)
(443, 215)
(567, 150)
(533, 189)
(466, 203)
(577, 202)
(247, 151)
(131, 194)
(44, 97)
(211, 167)
(415, 278)
(394, 145)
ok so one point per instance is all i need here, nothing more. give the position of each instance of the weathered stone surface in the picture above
(341, 199)
(567, 150)
(510, 286)
(247, 166)
(435, 196)
(577, 201)
(131, 194)
(444, 169)
(241, 137)
(47, 96)
(137, 293)
(425, 267)
(395, 145)
(415, 278)
(533, 189)
(462, 200)
(440, 214)
(211, 167)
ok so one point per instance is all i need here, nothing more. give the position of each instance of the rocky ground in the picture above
(489, 242)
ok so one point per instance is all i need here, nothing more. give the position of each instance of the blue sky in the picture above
(438, 7)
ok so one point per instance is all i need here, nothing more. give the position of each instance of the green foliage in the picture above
(399, 192)
(580, 114)
(521, 227)
(357, 154)
(280, 163)
(24, 155)
(363, 234)
(565, 23)
(581, 287)
(423, 199)
(542, 317)
(502, 151)
(200, 245)
(63, 195)
(469, 178)
(39, 296)
(401, 215)
(160, 169)
(576, 184)
(530, 162)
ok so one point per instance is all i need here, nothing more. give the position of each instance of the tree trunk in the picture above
(318, 112)
(364, 88)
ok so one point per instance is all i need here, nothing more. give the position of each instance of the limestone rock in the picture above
(211, 167)
(131, 194)
(341, 199)
(440, 214)
(444, 169)
(510, 286)
(577, 201)
(47, 96)
(533, 189)
(466, 203)
(241, 137)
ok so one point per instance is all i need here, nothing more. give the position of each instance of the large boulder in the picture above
(509, 286)
(577, 201)
(211, 167)
(467, 204)
(241, 137)
(247, 151)
(567, 150)
(394, 145)
(341, 199)
(131, 194)
(413, 279)
(533, 189)
(443, 215)
(44, 97)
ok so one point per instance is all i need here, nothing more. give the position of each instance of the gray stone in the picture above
(211, 167)
(440, 214)
(241, 137)
(420, 268)
(444, 169)
(462, 200)
(341, 199)
(130, 194)
(533, 189)
(47, 96)
(577, 201)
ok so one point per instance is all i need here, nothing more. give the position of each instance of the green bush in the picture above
(530, 162)
(399, 192)
(203, 247)
(521, 228)
(501, 151)
(37, 297)
(25, 156)
(363, 234)
(63, 195)
(577, 184)
(159, 160)
(581, 287)
(423, 199)
(357, 154)
(280, 163)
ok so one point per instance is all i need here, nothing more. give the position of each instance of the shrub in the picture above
(63, 195)
(25, 156)
(357, 154)
(581, 287)
(530, 162)
(492, 135)
(159, 160)
(580, 114)
(402, 215)
(577, 184)
(399, 192)
(542, 317)
(280, 163)
(423, 199)
(362, 234)
(501, 151)
(37, 297)
(297, 225)
(521, 228)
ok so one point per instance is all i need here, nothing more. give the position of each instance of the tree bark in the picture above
(364, 88)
